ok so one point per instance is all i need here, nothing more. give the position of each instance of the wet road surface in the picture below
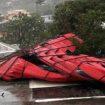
(19, 93)
(11, 92)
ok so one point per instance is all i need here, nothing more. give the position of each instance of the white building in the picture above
(103, 25)
(47, 18)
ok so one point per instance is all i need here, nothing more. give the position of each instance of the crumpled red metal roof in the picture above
(54, 61)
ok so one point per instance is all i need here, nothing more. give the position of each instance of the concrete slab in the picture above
(44, 84)
(50, 92)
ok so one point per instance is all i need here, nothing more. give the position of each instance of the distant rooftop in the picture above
(6, 49)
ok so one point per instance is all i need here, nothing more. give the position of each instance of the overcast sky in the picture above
(7, 5)
(29, 5)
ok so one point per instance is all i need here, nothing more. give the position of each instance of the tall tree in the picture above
(24, 30)
(84, 18)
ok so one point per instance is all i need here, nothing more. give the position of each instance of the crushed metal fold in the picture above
(53, 61)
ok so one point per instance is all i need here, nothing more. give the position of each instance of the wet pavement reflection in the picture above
(17, 91)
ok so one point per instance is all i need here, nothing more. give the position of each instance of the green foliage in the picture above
(84, 18)
(24, 30)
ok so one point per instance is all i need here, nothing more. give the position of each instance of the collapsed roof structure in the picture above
(53, 61)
